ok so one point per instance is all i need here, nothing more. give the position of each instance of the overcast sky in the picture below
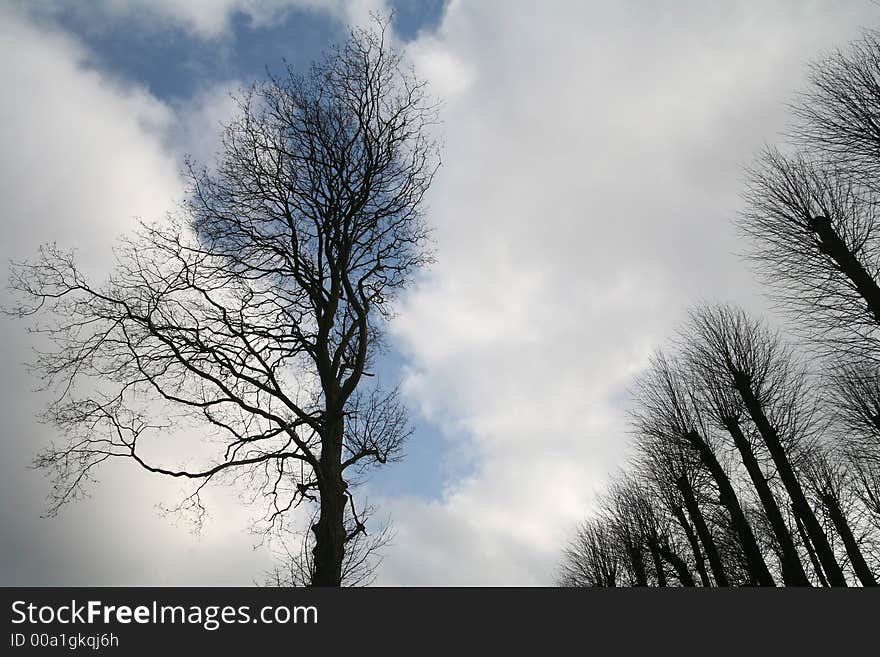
(591, 169)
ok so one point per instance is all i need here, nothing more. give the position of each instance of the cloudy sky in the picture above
(591, 168)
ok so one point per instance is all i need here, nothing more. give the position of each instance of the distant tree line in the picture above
(757, 460)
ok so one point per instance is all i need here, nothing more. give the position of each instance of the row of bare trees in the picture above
(742, 473)
(758, 462)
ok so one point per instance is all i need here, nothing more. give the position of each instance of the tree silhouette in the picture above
(813, 230)
(259, 311)
(668, 411)
(738, 465)
(748, 376)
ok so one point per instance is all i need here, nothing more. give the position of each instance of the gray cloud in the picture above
(591, 172)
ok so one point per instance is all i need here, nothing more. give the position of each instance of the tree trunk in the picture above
(329, 530)
(694, 542)
(610, 579)
(654, 547)
(329, 533)
(789, 479)
(834, 247)
(817, 567)
(792, 569)
(856, 558)
(712, 554)
(682, 572)
(756, 565)
(638, 565)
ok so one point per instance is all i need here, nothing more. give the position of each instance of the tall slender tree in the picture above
(667, 408)
(752, 362)
(259, 310)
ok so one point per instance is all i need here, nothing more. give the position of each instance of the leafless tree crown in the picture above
(260, 309)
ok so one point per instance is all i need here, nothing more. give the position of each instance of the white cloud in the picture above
(449, 75)
(201, 118)
(591, 171)
(78, 148)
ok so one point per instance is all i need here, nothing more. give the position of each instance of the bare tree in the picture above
(814, 231)
(837, 115)
(592, 558)
(260, 311)
(667, 409)
(724, 406)
(866, 478)
(636, 523)
(853, 401)
(657, 526)
(812, 216)
(673, 473)
(626, 531)
(630, 541)
(827, 476)
(854, 394)
(792, 497)
(749, 360)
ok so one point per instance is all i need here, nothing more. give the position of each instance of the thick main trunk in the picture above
(831, 244)
(790, 481)
(856, 558)
(329, 530)
(693, 541)
(329, 533)
(757, 567)
(792, 569)
(712, 554)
